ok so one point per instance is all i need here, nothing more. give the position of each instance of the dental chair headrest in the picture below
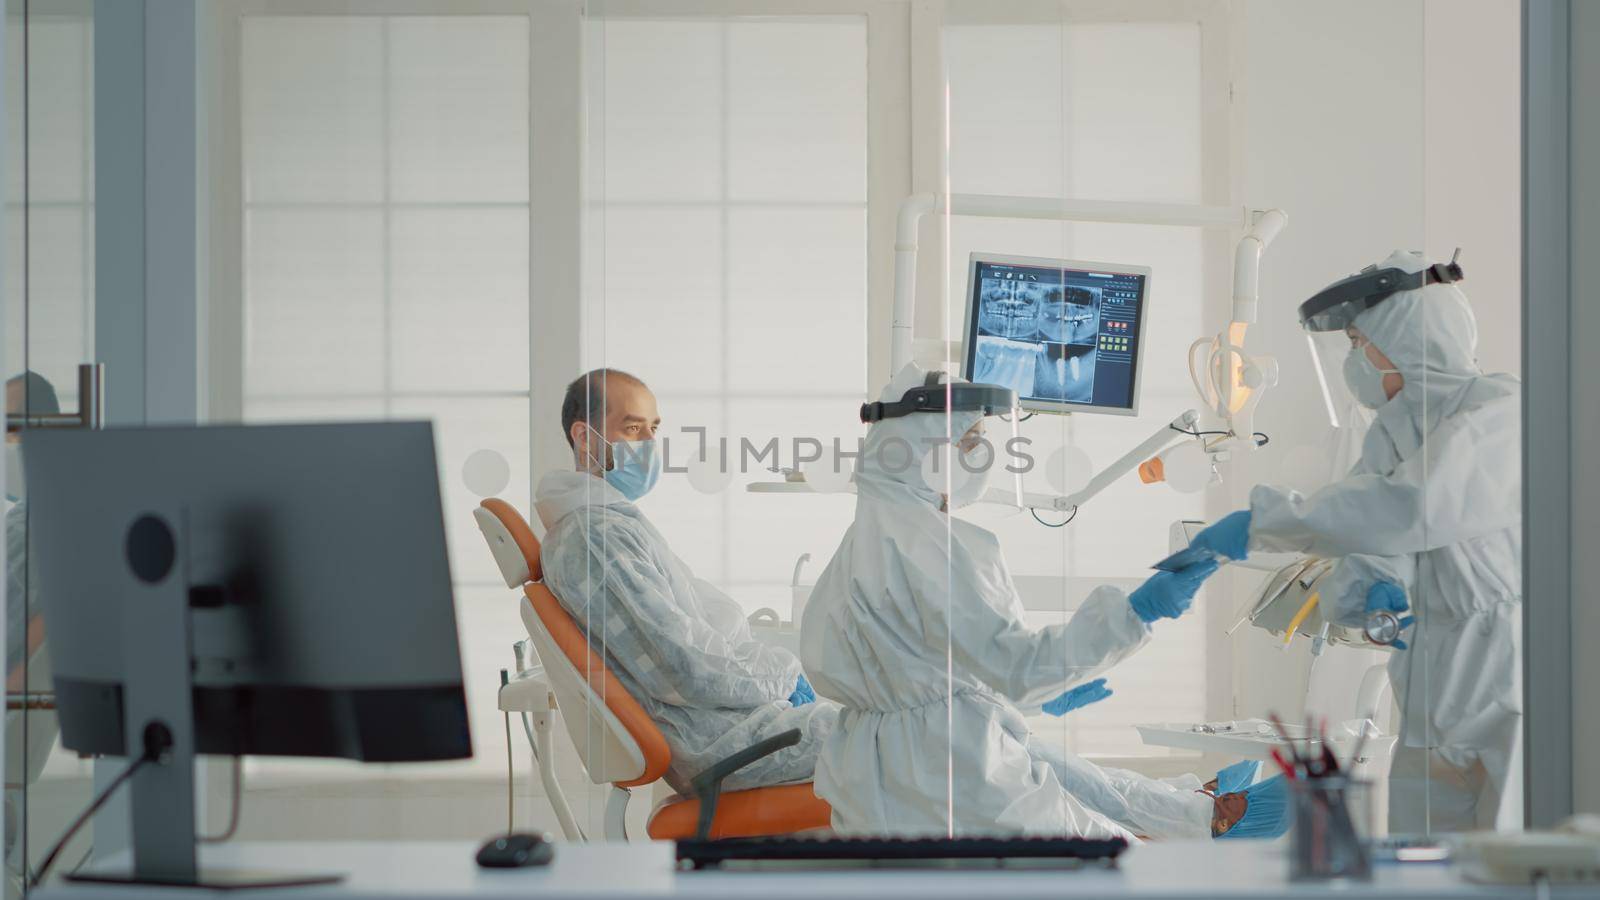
(515, 549)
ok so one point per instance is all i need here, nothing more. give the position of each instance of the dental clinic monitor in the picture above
(1065, 335)
(321, 619)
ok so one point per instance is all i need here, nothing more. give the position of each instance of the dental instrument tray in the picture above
(1256, 738)
(908, 852)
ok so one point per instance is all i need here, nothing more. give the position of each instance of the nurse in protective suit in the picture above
(1428, 527)
(916, 629)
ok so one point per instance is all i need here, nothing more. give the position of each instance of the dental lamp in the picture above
(1228, 378)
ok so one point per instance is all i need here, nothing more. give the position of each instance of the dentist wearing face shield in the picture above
(1426, 526)
(916, 630)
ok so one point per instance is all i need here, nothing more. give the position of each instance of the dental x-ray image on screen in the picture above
(1010, 309)
(1070, 315)
(1064, 335)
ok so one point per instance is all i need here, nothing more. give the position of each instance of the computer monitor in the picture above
(275, 590)
(1067, 336)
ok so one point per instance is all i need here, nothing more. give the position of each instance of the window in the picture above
(385, 204)
(59, 233)
(48, 328)
(383, 191)
(1031, 114)
(386, 189)
(734, 220)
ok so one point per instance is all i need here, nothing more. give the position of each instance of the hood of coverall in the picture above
(891, 463)
(1431, 337)
(562, 492)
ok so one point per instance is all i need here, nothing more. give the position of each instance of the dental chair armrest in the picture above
(707, 786)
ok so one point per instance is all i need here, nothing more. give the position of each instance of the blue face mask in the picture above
(635, 467)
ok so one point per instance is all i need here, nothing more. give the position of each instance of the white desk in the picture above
(444, 871)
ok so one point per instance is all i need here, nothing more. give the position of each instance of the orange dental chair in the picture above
(614, 736)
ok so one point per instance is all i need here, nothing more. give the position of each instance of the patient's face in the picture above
(1229, 809)
(630, 416)
(631, 413)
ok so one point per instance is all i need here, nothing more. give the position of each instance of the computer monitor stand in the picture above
(158, 713)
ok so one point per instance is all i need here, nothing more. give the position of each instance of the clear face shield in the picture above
(978, 456)
(982, 465)
(1350, 378)
(1330, 351)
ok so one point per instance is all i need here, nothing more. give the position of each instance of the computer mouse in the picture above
(515, 850)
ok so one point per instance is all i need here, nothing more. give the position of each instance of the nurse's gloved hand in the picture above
(1228, 536)
(1386, 596)
(1167, 595)
(1078, 697)
(803, 693)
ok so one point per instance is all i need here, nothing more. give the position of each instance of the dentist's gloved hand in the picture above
(1228, 536)
(1388, 596)
(1078, 697)
(1166, 595)
(803, 693)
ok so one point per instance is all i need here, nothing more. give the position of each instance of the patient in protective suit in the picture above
(681, 646)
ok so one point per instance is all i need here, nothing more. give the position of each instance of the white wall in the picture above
(1472, 153)
(1372, 139)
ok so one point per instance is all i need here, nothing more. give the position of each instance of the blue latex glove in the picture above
(1388, 596)
(1078, 697)
(1228, 536)
(803, 693)
(1166, 595)
(1266, 812)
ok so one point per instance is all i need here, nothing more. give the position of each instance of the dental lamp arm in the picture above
(912, 209)
(1253, 374)
(1264, 228)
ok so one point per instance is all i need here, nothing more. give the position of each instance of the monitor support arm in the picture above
(158, 711)
(1180, 428)
(159, 694)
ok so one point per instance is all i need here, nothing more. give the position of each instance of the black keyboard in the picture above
(932, 852)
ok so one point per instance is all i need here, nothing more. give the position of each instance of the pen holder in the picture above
(1332, 822)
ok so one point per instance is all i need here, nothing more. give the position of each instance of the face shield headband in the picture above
(934, 397)
(1336, 306)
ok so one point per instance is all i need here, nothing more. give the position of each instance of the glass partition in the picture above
(698, 292)
(725, 304)
(374, 264)
(48, 322)
(1039, 134)
(1166, 141)
(734, 259)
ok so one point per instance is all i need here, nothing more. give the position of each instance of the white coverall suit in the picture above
(916, 629)
(682, 647)
(1434, 505)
